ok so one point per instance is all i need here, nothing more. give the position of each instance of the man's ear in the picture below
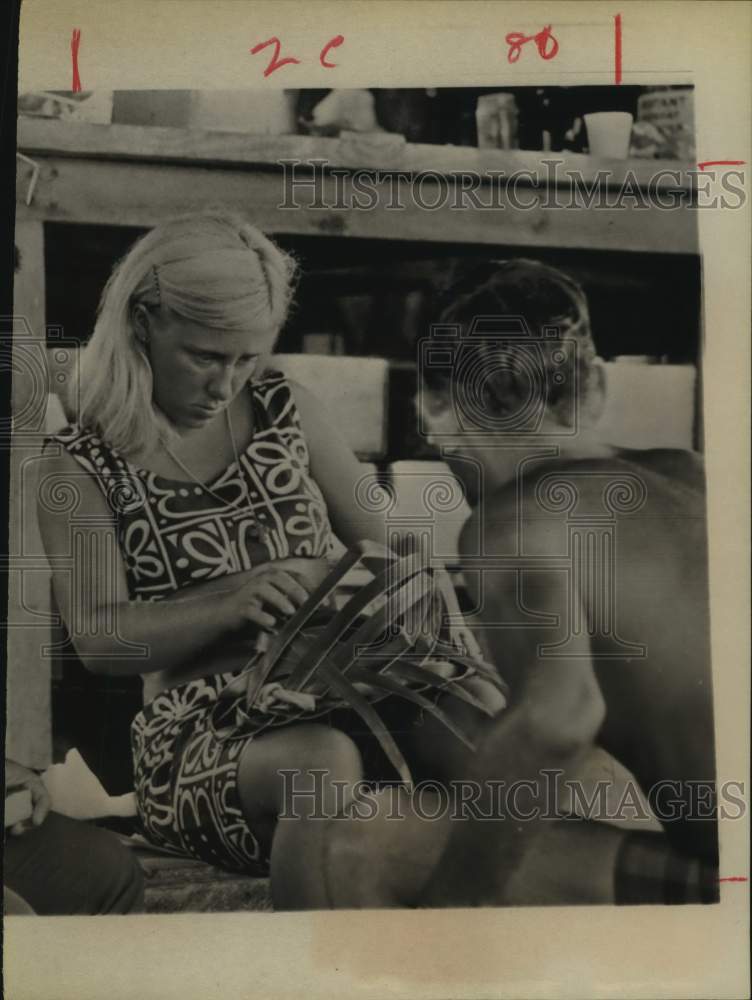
(434, 403)
(436, 417)
(595, 401)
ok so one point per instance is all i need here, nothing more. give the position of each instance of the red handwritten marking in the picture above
(333, 44)
(617, 48)
(721, 163)
(734, 878)
(74, 44)
(515, 40)
(275, 63)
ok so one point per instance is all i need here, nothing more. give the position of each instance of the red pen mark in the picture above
(721, 163)
(333, 44)
(275, 63)
(734, 878)
(74, 44)
(546, 44)
(617, 48)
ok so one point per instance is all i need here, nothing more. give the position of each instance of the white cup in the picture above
(609, 133)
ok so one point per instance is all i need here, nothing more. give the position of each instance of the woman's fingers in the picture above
(254, 613)
(271, 594)
(290, 587)
(470, 642)
(443, 668)
(282, 586)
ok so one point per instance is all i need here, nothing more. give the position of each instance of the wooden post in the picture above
(29, 722)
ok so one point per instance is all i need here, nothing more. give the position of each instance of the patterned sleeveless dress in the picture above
(173, 534)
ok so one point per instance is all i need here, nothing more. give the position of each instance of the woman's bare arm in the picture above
(114, 635)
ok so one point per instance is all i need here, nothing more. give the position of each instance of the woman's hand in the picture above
(275, 589)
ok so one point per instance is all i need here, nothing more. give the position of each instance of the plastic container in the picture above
(609, 133)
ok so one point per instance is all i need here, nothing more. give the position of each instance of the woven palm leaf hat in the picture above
(400, 635)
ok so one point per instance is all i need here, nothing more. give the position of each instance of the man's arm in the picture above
(559, 696)
(555, 714)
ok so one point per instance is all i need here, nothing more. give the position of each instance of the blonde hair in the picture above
(212, 268)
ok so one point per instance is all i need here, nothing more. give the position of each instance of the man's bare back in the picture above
(627, 534)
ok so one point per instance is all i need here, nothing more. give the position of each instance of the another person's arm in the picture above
(559, 696)
(555, 713)
(93, 597)
(17, 776)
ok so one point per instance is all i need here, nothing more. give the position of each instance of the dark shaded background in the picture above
(377, 297)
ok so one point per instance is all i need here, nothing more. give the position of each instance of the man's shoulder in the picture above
(542, 496)
(675, 464)
(655, 471)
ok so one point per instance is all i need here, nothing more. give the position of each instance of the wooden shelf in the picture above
(378, 151)
(126, 175)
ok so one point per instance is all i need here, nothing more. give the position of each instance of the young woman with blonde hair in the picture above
(202, 505)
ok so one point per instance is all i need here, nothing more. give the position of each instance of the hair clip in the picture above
(156, 284)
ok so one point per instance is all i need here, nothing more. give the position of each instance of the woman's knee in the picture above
(298, 762)
(332, 751)
(322, 783)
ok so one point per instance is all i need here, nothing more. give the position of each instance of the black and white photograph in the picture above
(359, 548)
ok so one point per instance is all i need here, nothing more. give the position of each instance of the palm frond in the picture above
(384, 637)
(392, 686)
(412, 673)
(386, 581)
(355, 700)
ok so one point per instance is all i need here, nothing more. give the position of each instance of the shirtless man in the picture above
(587, 564)
(590, 573)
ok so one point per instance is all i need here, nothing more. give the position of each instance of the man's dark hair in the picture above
(555, 311)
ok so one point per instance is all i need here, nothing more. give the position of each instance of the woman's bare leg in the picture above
(290, 783)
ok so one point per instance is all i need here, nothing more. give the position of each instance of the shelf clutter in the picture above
(529, 118)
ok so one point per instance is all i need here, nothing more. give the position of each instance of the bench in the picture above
(181, 885)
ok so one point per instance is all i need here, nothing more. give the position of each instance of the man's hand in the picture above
(17, 776)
